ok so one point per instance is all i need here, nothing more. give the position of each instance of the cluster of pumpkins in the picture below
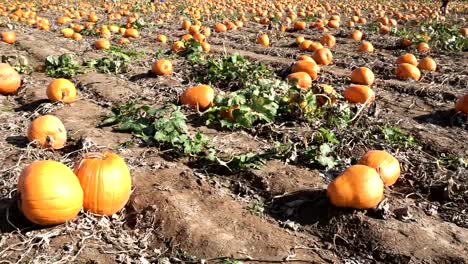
(361, 186)
(50, 192)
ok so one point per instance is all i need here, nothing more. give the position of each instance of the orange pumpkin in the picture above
(106, 182)
(9, 37)
(309, 67)
(61, 90)
(10, 80)
(362, 75)
(427, 64)
(299, 40)
(406, 70)
(328, 40)
(206, 47)
(359, 94)
(366, 46)
(220, 28)
(357, 187)
(423, 47)
(162, 67)
(305, 45)
(407, 58)
(263, 40)
(48, 131)
(462, 104)
(162, 39)
(198, 97)
(102, 44)
(304, 57)
(315, 46)
(356, 35)
(131, 33)
(322, 56)
(384, 163)
(178, 46)
(50, 193)
(302, 79)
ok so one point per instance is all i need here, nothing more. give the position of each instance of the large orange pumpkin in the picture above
(406, 70)
(322, 56)
(50, 193)
(407, 58)
(384, 163)
(10, 79)
(359, 94)
(48, 131)
(61, 90)
(362, 75)
(200, 96)
(302, 79)
(309, 67)
(106, 182)
(357, 187)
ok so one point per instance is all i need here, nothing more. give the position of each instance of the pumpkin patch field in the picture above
(323, 131)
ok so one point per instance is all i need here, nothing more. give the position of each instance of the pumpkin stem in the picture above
(64, 94)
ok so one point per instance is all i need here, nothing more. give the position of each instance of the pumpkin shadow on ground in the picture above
(306, 207)
(444, 118)
(140, 76)
(11, 218)
(17, 141)
(30, 107)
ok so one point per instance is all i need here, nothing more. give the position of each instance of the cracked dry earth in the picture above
(178, 211)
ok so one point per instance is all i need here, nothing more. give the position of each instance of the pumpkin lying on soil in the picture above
(322, 56)
(263, 40)
(48, 131)
(359, 94)
(102, 44)
(407, 58)
(406, 70)
(61, 90)
(366, 46)
(50, 193)
(362, 75)
(427, 64)
(302, 79)
(307, 66)
(106, 182)
(162, 67)
(358, 187)
(198, 97)
(10, 80)
(384, 163)
(9, 37)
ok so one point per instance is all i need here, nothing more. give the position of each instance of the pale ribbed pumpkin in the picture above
(106, 182)
(50, 193)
